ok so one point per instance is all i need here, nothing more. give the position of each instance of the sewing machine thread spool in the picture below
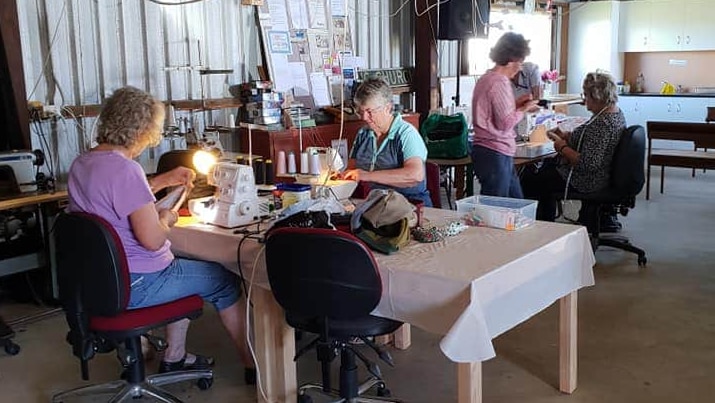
(281, 163)
(240, 160)
(315, 164)
(259, 171)
(291, 163)
(304, 163)
(268, 172)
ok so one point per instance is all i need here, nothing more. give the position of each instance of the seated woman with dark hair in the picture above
(585, 155)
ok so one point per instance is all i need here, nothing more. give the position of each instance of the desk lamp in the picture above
(235, 201)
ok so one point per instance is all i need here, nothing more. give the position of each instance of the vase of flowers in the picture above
(549, 79)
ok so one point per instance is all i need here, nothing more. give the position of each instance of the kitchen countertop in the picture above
(682, 94)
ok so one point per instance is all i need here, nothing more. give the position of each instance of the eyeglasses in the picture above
(369, 111)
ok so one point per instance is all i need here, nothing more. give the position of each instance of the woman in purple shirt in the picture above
(494, 115)
(107, 182)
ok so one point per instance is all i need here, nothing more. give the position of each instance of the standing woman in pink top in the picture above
(495, 113)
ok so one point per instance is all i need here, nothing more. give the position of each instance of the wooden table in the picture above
(31, 199)
(469, 288)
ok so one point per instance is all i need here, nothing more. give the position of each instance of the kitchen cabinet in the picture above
(638, 110)
(666, 25)
(634, 26)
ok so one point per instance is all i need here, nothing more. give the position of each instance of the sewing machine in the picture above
(235, 202)
(327, 162)
(23, 168)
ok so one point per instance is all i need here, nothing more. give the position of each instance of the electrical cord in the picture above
(168, 3)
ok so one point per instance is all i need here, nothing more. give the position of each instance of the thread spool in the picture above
(231, 120)
(315, 164)
(269, 172)
(304, 163)
(259, 171)
(291, 163)
(281, 163)
(240, 160)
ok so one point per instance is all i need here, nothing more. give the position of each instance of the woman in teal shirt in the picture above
(389, 153)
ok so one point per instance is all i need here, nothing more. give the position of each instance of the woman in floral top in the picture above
(585, 155)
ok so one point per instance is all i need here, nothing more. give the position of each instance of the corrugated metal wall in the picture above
(77, 52)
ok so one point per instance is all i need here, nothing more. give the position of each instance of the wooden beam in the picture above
(426, 87)
(13, 82)
(93, 110)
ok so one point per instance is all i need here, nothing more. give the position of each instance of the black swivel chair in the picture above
(627, 179)
(327, 282)
(94, 290)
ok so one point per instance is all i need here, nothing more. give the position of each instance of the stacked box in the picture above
(261, 105)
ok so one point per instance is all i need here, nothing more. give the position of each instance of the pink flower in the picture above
(550, 76)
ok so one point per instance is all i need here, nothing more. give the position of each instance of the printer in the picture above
(22, 164)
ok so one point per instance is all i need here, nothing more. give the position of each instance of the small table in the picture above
(459, 169)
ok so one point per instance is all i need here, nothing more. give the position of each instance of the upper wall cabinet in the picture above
(666, 25)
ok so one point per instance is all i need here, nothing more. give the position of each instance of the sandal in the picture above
(201, 362)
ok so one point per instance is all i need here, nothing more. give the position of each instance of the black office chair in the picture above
(327, 282)
(94, 286)
(627, 179)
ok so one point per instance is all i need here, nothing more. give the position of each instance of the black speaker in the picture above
(463, 19)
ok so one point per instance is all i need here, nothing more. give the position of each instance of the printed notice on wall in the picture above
(278, 15)
(318, 20)
(337, 8)
(298, 14)
(279, 42)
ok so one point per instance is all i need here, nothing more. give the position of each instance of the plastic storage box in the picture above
(498, 212)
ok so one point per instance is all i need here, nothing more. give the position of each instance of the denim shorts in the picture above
(182, 278)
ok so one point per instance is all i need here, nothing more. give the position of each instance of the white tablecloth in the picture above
(469, 288)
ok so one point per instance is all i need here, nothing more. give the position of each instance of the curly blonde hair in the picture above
(600, 87)
(129, 117)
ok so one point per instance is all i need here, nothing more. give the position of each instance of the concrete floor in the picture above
(645, 334)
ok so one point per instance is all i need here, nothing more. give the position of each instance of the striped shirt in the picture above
(494, 113)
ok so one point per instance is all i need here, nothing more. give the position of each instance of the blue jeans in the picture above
(182, 278)
(496, 173)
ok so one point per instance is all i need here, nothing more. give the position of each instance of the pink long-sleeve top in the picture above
(494, 113)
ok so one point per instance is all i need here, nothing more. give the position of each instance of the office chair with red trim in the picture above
(327, 282)
(94, 284)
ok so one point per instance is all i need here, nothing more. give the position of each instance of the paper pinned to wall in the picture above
(301, 87)
(278, 15)
(282, 77)
(318, 19)
(337, 8)
(279, 42)
(321, 91)
(298, 14)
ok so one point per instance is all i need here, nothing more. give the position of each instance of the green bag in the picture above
(445, 136)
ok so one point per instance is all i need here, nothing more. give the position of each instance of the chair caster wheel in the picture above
(204, 383)
(303, 398)
(382, 391)
(642, 261)
(12, 348)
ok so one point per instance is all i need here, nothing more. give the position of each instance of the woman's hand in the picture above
(354, 174)
(168, 217)
(525, 103)
(177, 176)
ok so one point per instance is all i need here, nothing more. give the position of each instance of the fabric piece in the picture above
(403, 142)
(389, 209)
(469, 288)
(494, 113)
(107, 184)
(387, 239)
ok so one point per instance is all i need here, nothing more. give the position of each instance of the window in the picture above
(535, 27)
